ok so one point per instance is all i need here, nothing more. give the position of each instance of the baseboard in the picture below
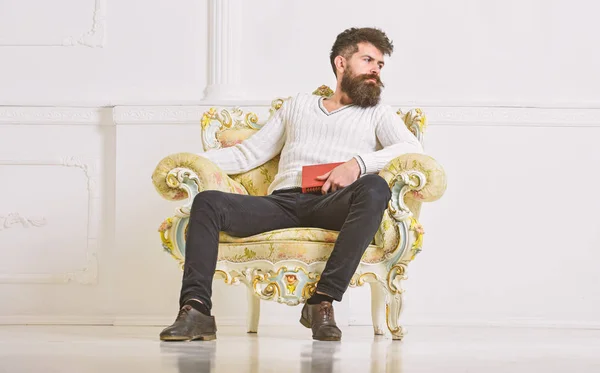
(225, 321)
(56, 320)
(489, 323)
(241, 321)
(167, 320)
(125, 320)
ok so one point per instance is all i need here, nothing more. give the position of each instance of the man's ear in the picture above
(340, 64)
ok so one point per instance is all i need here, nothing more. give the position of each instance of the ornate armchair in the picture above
(285, 265)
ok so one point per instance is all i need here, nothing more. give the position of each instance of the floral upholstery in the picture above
(275, 251)
(435, 174)
(306, 244)
(289, 234)
(233, 136)
(255, 181)
(210, 177)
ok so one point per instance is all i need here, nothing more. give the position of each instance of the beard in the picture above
(361, 91)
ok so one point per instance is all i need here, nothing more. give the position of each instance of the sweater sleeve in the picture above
(259, 148)
(395, 138)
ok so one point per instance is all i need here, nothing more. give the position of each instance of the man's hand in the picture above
(341, 176)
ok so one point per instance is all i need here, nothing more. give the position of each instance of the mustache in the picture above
(374, 77)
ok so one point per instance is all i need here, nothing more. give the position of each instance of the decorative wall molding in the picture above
(191, 114)
(95, 37)
(53, 115)
(224, 49)
(494, 116)
(142, 115)
(158, 114)
(15, 219)
(88, 170)
(86, 276)
(89, 273)
(464, 116)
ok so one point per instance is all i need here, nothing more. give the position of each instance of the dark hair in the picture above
(346, 43)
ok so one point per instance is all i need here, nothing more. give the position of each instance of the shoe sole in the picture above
(208, 337)
(328, 339)
(306, 324)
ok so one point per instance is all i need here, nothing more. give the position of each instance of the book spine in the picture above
(312, 189)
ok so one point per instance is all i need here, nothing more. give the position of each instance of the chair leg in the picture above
(393, 310)
(378, 293)
(253, 311)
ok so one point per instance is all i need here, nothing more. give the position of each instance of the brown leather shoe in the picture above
(320, 318)
(190, 325)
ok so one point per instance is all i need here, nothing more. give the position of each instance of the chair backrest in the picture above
(223, 128)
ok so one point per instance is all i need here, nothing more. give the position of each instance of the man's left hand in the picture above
(340, 177)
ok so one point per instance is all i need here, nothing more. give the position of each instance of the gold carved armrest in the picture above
(413, 179)
(416, 177)
(183, 175)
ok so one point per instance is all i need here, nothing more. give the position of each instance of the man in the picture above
(308, 129)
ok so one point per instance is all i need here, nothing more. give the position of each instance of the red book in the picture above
(309, 176)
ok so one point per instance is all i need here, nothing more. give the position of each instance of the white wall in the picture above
(140, 51)
(465, 52)
(510, 88)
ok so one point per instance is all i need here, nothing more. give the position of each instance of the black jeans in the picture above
(356, 211)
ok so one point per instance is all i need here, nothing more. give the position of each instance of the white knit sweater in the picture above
(306, 133)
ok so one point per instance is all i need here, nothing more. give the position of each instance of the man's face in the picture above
(361, 78)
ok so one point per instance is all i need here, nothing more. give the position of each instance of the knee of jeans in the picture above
(208, 198)
(375, 189)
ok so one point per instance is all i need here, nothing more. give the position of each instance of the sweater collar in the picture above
(324, 110)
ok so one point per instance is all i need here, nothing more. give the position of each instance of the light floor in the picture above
(289, 349)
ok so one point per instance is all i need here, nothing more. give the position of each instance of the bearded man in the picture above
(350, 127)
